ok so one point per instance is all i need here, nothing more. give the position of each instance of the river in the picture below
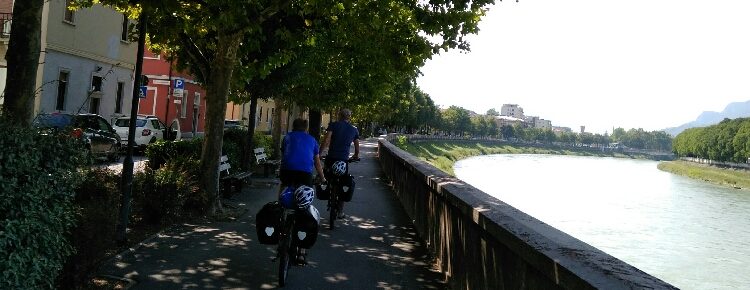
(689, 233)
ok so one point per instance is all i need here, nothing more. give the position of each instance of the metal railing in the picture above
(5, 21)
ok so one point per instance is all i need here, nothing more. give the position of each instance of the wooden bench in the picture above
(262, 159)
(229, 183)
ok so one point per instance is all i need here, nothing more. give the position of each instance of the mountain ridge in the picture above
(707, 118)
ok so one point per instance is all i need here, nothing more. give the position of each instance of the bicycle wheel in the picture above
(284, 247)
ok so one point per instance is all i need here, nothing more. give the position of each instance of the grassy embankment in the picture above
(736, 178)
(443, 154)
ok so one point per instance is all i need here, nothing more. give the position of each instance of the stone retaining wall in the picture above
(482, 243)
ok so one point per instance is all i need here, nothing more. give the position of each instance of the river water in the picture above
(689, 233)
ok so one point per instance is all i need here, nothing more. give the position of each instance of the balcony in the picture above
(5, 20)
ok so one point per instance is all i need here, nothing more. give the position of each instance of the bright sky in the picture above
(647, 64)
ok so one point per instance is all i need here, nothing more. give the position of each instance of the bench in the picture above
(262, 159)
(230, 182)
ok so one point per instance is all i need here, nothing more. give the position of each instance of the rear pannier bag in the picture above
(323, 191)
(267, 223)
(347, 187)
(306, 227)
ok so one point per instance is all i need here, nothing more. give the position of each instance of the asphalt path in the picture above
(374, 247)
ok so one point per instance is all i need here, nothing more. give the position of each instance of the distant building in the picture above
(557, 129)
(512, 110)
(583, 129)
(543, 124)
(507, 121)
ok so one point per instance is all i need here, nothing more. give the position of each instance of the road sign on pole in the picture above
(143, 92)
(179, 86)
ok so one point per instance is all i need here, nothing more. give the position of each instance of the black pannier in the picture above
(267, 223)
(323, 191)
(347, 187)
(306, 227)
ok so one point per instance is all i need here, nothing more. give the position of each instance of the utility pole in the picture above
(126, 186)
(166, 106)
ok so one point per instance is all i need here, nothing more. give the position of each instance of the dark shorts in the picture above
(294, 177)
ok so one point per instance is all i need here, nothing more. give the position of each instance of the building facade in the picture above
(87, 61)
(6, 17)
(507, 121)
(512, 110)
(185, 110)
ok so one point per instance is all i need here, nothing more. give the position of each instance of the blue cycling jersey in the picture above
(299, 150)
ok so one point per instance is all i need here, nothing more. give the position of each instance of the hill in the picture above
(707, 118)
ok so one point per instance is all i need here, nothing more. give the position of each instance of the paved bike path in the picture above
(374, 247)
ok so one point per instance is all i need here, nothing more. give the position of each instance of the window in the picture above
(197, 99)
(118, 97)
(96, 84)
(94, 105)
(260, 114)
(70, 15)
(268, 115)
(156, 124)
(125, 26)
(183, 111)
(62, 90)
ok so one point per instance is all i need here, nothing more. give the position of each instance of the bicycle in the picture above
(336, 190)
(288, 246)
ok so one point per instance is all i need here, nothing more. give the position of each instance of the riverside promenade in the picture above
(374, 247)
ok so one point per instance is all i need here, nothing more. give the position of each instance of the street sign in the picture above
(178, 101)
(179, 84)
(142, 94)
(177, 93)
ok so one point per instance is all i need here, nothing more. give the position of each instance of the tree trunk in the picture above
(247, 152)
(23, 61)
(276, 132)
(315, 119)
(217, 89)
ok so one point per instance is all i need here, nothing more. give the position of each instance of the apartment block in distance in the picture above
(512, 110)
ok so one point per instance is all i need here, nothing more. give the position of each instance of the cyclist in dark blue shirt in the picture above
(339, 136)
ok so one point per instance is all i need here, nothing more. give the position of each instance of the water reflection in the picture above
(691, 234)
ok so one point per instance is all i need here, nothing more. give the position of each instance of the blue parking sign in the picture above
(179, 84)
(142, 95)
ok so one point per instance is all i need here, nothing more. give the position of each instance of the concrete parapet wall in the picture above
(482, 243)
(717, 163)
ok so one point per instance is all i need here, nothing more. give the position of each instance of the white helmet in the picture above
(339, 168)
(304, 196)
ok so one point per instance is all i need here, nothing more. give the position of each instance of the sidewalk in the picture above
(375, 247)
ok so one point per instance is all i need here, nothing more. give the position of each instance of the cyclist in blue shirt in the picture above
(299, 156)
(339, 136)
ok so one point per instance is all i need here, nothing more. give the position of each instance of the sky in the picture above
(601, 63)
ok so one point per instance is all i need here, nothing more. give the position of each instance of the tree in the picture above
(23, 61)
(457, 120)
(492, 112)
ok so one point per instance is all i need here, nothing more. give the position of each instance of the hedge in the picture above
(38, 174)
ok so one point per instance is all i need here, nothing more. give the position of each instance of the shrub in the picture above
(36, 205)
(97, 203)
(161, 151)
(161, 193)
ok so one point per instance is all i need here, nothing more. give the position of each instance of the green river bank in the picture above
(736, 178)
(443, 154)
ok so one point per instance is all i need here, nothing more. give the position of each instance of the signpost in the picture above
(143, 92)
(179, 86)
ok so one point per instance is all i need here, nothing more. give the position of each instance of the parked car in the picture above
(99, 137)
(148, 129)
(230, 124)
